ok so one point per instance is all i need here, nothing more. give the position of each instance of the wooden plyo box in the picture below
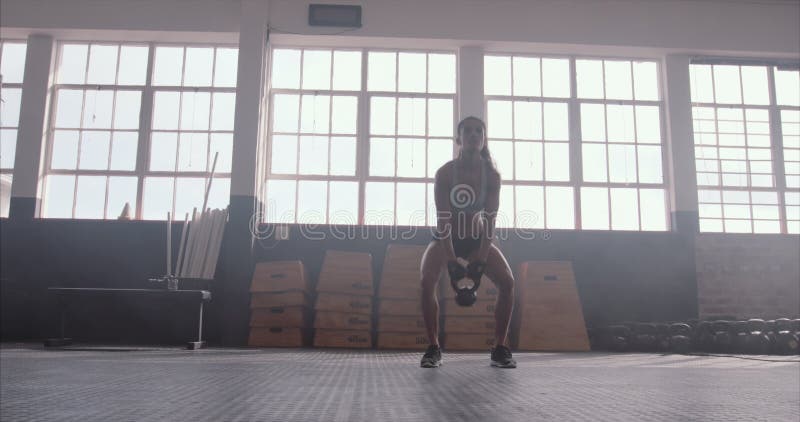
(346, 272)
(400, 276)
(481, 308)
(280, 316)
(408, 307)
(405, 341)
(342, 338)
(401, 324)
(279, 276)
(342, 321)
(468, 325)
(288, 298)
(277, 337)
(344, 303)
(551, 314)
(459, 341)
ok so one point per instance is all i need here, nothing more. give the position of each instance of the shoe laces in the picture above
(502, 352)
(432, 352)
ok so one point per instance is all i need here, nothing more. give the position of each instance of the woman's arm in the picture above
(491, 206)
(444, 213)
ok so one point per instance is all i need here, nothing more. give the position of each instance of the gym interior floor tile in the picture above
(342, 385)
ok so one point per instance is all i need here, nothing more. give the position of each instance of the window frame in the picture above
(12, 85)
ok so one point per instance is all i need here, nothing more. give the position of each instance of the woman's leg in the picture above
(499, 272)
(430, 271)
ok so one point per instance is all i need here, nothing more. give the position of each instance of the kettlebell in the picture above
(466, 295)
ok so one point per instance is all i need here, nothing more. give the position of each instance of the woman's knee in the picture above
(428, 283)
(505, 284)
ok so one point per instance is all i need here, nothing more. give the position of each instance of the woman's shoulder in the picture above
(445, 169)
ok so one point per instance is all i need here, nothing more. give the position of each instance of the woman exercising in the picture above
(467, 193)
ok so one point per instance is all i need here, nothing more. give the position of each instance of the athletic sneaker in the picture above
(432, 357)
(501, 358)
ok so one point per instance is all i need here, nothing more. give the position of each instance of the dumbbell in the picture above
(740, 333)
(703, 339)
(786, 342)
(796, 329)
(662, 337)
(618, 338)
(758, 342)
(680, 338)
(644, 337)
(723, 341)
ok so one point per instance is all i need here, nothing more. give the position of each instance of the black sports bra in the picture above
(462, 195)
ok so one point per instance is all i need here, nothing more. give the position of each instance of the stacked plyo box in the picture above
(551, 315)
(279, 305)
(400, 322)
(344, 301)
(469, 327)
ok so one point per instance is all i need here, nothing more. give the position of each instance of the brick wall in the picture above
(748, 276)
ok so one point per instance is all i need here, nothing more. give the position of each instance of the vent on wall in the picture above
(334, 15)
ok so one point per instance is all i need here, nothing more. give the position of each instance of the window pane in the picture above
(315, 113)
(72, 68)
(442, 73)
(157, 198)
(193, 152)
(97, 109)
(379, 203)
(281, 201)
(168, 68)
(8, 148)
(787, 87)
(411, 204)
(527, 120)
(618, 80)
(593, 122)
(594, 163)
(165, 110)
(654, 207)
(530, 207)
(556, 122)
(224, 104)
(499, 119)
(727, 87)
(412, 68)
(12, 62)
(189, 193)
(701, 84)
(624, 209)
(9, 107)
(225, 67)
(382, 116)
(123, 151)
(590, 78)
(503, 154)
(622, 163)
(284, 154)
(648, 124)
(344, 115)
(381, 71)
(68, 108)
(195, 107)
(527, 77)
(199, 63)
(440, 117)
(221, 143)
(132, 65)
(560, 208)
(496, 75)
(126, 109)
(312, 200)
(65, 150)
(650, 164)
(410, 157)
(594, 208)
(754, 84)
(645, 81)
(316, 69)
(529, 160)
(555, 75)
(102, 65)
(411, 116)
(556, 161)
(286, 69)
(94, 150)
(381, 157)
(343, 207)
(343, 156)
(440, 151)
(121, 190)
(91, 197)
(347, 70)
(60, 194)
(286, 113)
(219, 196)
(620, 123)
(163, 151)
(313, 155)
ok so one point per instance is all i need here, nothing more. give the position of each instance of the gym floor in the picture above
(162, 384)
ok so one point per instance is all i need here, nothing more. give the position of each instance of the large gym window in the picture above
(135, 124)
(618, 122)
(745, 117)
(12, 68)
(357, 135)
